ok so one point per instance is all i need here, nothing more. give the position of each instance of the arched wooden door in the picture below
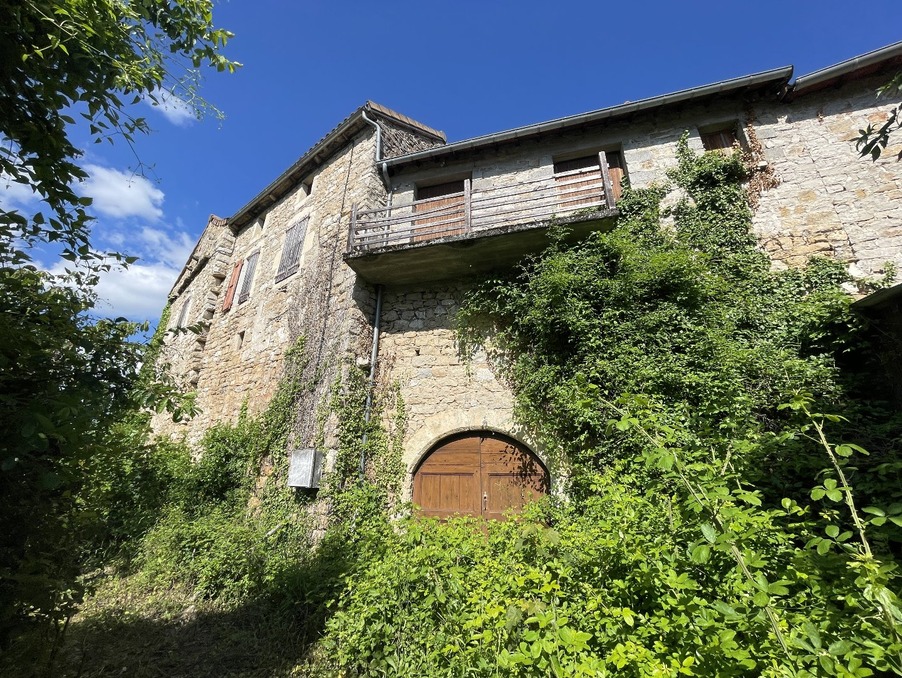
(478, 474)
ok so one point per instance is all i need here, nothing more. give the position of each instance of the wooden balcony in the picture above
(471, 231)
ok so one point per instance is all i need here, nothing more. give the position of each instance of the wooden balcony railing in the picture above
(471, 212)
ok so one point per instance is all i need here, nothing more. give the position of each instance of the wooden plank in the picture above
(609, 198)
(233, 282)
(352, 232)
(468, 224)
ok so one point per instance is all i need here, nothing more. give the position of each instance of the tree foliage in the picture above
(873, 140)
(68, 60)
(66, 378)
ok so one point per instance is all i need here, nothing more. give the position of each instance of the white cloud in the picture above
(171, 247)
(122, 194)
(16, 196)
(174, 109)
(138, 292)
(131, 221)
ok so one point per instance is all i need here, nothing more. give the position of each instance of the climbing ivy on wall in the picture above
(721, 520)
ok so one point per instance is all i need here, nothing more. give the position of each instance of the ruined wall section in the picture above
(193, 302)
(829, 201)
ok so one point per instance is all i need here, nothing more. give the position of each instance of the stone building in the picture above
(365, 245)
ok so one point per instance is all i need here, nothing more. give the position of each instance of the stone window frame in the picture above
(293, 247)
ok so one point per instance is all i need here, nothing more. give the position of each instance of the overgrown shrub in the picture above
(712, 530)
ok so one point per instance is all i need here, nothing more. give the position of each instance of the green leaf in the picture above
(709, 533)
(761, 599)
(832, 531)
(700, 554)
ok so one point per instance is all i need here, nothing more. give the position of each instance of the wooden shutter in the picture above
(248, 278)
(720, 140)
(291, 252)
(615, 172)
(233, 281)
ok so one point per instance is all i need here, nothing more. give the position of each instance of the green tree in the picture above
(65, 378)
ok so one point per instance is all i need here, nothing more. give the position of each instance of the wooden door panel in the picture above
(442, 495)
(509, 493)
(478, 474)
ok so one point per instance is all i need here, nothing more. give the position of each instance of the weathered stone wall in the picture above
(197, 292)
(444, 392)
(830, 201)
(819, 197)
(398, 140)
(242, 357)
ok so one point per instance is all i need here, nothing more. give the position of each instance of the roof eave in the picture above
(297, 171)
(313, 158)
(835, 73)
(777, 78)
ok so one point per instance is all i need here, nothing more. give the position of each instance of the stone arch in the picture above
(435, 428)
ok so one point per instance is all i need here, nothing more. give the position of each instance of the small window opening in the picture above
(291, 251)
(183, 314)
(248, 278)
(239, 340)
(722, 139)
(448, 188)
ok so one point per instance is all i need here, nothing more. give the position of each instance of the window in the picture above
(183, 314)
(291, 252)
(719, 139)
(589, 180)
(248, 279)
(444, 207)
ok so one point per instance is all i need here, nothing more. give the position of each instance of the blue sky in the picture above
(466, 67)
